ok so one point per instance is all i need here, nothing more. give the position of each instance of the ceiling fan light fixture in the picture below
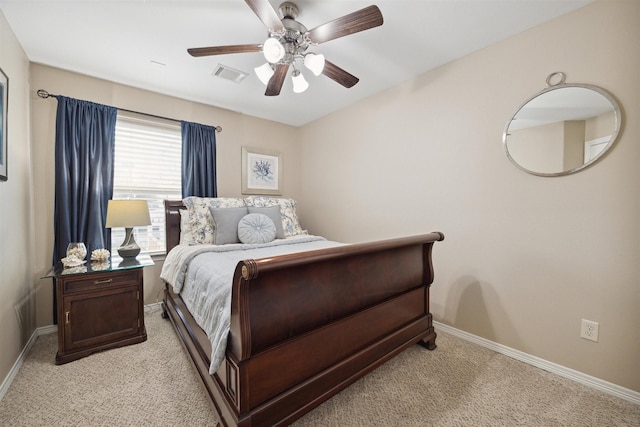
(299, 82)
(264, 73)
(314, 62)
(273, 50)
(288, 41)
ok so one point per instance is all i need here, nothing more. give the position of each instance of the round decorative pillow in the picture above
(256, 228)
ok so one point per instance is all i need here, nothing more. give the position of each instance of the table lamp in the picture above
(128, 214)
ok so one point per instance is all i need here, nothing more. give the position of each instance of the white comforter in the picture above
(203, 275)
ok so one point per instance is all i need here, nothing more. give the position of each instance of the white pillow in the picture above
(256, 228)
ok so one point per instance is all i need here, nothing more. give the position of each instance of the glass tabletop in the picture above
(114, 263)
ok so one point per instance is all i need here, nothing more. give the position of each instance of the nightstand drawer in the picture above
(97, 282)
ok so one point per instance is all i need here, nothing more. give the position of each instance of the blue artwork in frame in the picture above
(4, 100)
(261, 171)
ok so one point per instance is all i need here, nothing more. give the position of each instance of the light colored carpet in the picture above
(153, 384)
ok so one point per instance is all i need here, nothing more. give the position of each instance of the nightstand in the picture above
(99, 306)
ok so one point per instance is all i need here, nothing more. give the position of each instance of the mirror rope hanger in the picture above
(562, 129)
(559, 75)
(44, 95)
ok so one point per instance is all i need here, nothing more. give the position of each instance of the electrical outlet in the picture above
(589, 330)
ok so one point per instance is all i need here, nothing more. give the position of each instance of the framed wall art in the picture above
(261, 171)
(4, 104)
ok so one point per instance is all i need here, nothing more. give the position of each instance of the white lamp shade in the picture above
(127, 213)
(314, 62)
(264, 73)
(273, 50)
(299, 82)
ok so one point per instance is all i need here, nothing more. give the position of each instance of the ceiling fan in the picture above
(289, 40)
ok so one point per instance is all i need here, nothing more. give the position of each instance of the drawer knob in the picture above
(100, 282)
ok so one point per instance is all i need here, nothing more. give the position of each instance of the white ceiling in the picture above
(143, 43)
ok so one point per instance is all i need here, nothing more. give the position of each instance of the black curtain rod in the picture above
(44, 94)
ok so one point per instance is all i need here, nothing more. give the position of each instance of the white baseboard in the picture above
(23, 354)
(45, 330)
(579, 377)
(150, 308)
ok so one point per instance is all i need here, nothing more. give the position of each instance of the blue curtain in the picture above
(198, 160)
(85, 139)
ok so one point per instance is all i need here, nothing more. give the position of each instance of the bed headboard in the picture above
(172, 222)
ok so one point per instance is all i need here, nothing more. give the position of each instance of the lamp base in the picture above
(128, 251)
(129, 248)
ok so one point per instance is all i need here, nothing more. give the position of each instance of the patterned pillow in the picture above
(256, 228)
(202, 227)
(288, 213)
(186, 237)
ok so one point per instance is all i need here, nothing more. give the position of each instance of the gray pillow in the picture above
(272, 212)
(225, 224)
(256, 228)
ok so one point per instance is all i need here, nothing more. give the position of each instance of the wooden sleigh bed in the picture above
(304, 326)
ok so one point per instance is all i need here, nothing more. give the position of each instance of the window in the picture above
(147, 165)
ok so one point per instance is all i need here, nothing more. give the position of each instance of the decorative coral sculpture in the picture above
(100, 255)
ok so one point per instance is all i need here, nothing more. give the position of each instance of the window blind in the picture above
(147, 165)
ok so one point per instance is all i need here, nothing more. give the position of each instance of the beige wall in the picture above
(524, 258)
(600, 126)
(16, 207)
(573, 144)
(238, 130)
(539, 148)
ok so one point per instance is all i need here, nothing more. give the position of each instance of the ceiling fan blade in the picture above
(360, 20)
(277, 80)
(223, 50)
(339, 75)
(267, 15)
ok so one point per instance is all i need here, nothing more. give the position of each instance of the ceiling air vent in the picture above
(228, 73)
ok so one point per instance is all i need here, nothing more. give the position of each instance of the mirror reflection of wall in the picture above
(597, 134)
(562, 129)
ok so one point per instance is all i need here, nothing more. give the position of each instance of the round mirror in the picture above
(563, 129)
